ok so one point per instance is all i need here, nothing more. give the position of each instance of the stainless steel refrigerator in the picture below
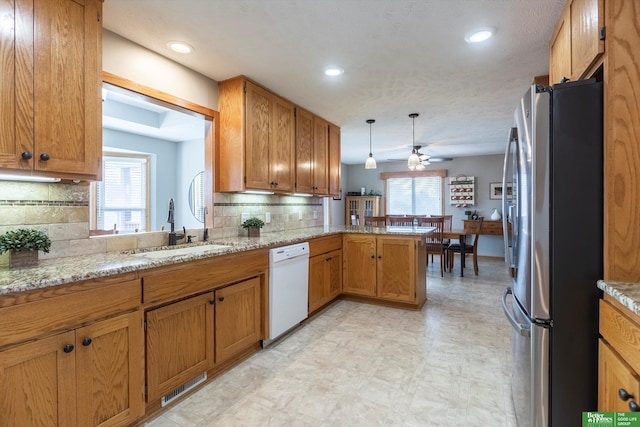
(554, 163)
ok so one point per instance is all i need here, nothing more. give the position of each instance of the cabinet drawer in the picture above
(623, 333)
(170, 283)
(324, 245)
(32, 319)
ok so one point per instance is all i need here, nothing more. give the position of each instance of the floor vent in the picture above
(183, 389)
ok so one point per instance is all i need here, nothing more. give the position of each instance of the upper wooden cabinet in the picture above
(50, 104)
(267, 143)
(621, 137)
(304, 151)
(255, 150)
(577, 43)
(317, 155)
(334, 161)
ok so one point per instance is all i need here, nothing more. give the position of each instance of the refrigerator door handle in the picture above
(508, 209)
(507, 312)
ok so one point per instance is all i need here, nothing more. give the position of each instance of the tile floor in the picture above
(364, 365)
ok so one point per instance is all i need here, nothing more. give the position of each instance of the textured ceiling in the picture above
(399, 57)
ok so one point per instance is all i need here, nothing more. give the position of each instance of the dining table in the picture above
(461, 235)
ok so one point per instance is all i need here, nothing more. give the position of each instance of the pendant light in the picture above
(413, 163)
(371, 162)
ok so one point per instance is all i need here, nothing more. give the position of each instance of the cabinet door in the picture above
(613, 375)
(237, 318)
(359, 265)
(317, 280)
(110, 367)
(258, 117)
(38, 383)
(67, 86)
(179, 343)
(396, 268)
(282, 145)
(334, 161)
(587, 18)
(320, 156)
(560, 50)
(334, 274)
(16, 84)
(304, 151)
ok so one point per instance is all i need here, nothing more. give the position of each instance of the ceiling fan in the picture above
(425, 159)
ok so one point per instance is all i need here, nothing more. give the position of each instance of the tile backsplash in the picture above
(62, 211)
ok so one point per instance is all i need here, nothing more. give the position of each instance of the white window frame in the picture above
(93, 219)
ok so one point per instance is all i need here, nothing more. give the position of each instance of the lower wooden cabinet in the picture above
(86, 377)
(187, 338)
(386, 267)
(179, 343)
(618, 384)
(238, 318)
(325, 278)
(618, 358)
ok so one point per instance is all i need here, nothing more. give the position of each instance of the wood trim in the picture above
(157, 94)
(411, 174)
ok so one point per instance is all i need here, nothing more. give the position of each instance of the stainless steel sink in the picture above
(189, 250)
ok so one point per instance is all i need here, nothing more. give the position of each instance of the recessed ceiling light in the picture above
(333, 71)
(479, 35)
(180, 47)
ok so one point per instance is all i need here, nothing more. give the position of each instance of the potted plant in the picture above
(253, 226)
(23, 245)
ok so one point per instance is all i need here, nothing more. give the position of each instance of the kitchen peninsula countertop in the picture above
(626, 293)
(59, 271)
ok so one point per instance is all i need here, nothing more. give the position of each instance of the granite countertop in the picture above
(626, 293)
(58, 271)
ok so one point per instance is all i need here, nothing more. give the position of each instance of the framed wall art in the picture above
(495, 190)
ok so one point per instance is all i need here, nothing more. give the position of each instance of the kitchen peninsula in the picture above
(155, 322)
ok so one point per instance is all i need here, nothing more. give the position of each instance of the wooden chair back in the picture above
(448, 221)
(434, 240)
(403, 220)
(375, 221)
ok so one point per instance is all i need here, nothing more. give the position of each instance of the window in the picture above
(414, 193)
(122, 197)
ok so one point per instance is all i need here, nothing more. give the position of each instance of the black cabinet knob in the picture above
(373, 257)
(624, 395)
(220, 298)
(212, 302)
(379, 256)
(86, 341)
(633, 406)
(26, 155)
(68, 348)
(44, 157)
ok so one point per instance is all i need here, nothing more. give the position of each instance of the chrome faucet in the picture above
(173, 237)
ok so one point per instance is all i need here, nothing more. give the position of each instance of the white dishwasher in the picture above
(288, 288)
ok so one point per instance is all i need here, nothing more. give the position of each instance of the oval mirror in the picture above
(196, 196)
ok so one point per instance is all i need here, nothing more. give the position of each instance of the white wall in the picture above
(126, 59)
(485, 169)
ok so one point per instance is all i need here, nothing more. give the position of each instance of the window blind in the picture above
(414, 196)
(122, 199)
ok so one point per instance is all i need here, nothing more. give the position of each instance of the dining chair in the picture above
(434, 239)
(404, 220)
(469, 248)
(375, 221)
(446, 226)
